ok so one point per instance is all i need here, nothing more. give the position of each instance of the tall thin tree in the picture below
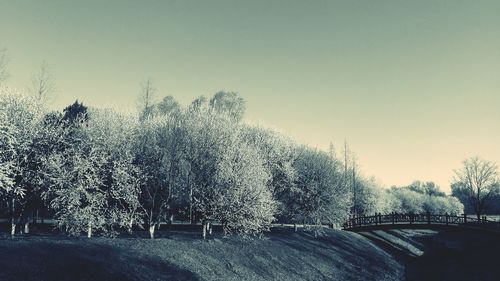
(146, 97)
(43, 85)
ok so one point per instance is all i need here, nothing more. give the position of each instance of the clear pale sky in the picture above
(413, 86)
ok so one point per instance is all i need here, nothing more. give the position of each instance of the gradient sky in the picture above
(413, 86)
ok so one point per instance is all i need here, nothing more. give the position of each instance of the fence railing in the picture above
(395, 219)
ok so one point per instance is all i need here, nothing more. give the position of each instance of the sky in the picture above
(412, 86)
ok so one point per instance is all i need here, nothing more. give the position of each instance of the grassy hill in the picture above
(281, 255)
(405, 254)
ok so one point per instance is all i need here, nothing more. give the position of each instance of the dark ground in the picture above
(443, 254)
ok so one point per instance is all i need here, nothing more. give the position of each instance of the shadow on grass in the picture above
(78, 259)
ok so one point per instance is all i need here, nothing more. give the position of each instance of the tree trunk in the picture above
(190, 204)
(13, 219)
(204, 230)
(152, 231)
(89, 230)
(12, 229)
(130, 225)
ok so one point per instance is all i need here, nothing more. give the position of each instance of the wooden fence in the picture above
(360, 222)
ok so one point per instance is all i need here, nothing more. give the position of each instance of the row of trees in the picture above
(417, 197)
(475, 190)
(100, 170)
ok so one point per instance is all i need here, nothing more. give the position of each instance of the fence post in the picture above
(446, 214)
(411, 218)
(392, 217)
(380, 218)
(428, 218)
(465, 218)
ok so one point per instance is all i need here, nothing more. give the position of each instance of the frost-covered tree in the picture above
(49, 138)
(227, 180)
(168, 105)
(245, 203)
(158, 152)
(411, 201)
(21, 116)
(279, 154)
(321, 195)
(198, 103)
(388, 202)
(442, 205)
(417, 197)
(429, 188)
(93, 183)
(368, 199)
(229, 103)
(114, 133)
(125, 191)
(76, 192)
(407, 200)
(7, 154)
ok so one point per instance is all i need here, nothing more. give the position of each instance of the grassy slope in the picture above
(336, 255)
(446, 254)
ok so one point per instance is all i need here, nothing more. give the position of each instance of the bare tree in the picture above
(479, 178)
(42, 83)
(4, 60)
(146, 97)
(350, 175)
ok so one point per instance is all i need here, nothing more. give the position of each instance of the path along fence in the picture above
(360, 222)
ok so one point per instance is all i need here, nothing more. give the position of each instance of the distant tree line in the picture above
(417, 197)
